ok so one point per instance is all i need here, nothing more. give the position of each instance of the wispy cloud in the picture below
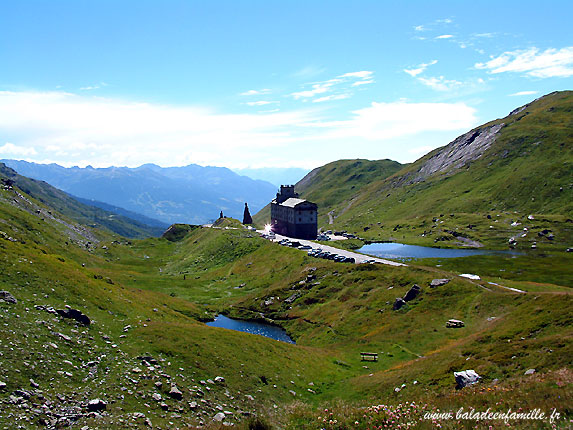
(524, 93)
(533, 62)
(441, 83)
(256, 92)
(262, 103)
(445, 36)
(420, 69)
(93, 87)
(337, 88)
(332, 97)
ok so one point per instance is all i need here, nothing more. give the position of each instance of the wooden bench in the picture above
(369, 356)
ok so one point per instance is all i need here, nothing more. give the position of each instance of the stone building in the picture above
(293, 217)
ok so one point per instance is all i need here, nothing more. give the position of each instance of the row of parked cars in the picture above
(317, 252)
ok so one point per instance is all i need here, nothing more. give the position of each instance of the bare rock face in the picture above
(466, 148)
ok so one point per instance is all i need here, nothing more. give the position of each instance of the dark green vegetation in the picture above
(149, 298)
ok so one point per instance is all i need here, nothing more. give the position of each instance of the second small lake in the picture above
(253, 327)
(399, 251)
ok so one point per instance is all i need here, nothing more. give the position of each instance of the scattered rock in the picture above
(452, 323)
(7, 297)
(219, 417)
(74, 314)
(438, 282)
(413, 293)
(219, 380)
(292, 392)
(2, 385)
(175, 393)
(530, 372)
(465, 378)
(398, 303)
(97, 405)
(157, 396)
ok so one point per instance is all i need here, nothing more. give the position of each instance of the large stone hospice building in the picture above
(293, 217)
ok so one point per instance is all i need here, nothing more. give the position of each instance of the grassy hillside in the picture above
(335, 182)
(147, 299)
(82, 213)
(469, 192)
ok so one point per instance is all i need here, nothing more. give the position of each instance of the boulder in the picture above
(96, 405)
(530, 372)
(413, 293)
(398, 303)
(452, 323)
(438, 282)
(219, 380)
(74, 314)
(219, 417)
(465, 378)
(8, 297)
(175, 393)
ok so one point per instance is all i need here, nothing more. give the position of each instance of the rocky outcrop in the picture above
(454, 323)
(412, 293)
(465, 378)
(438, 282)
(8, 297)
(74, 314)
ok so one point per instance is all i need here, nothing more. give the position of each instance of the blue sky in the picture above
(267, 84)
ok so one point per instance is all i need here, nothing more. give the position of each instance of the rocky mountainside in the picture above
(191, 194)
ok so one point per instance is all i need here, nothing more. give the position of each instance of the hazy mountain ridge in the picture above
(191, 194)
(83, 213)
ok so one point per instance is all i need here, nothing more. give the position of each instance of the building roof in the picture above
(294, 202)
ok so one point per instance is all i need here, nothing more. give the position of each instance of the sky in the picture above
(267, 83)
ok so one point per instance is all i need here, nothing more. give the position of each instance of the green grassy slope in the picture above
(82, 213)
(528, 170)
(336, 182)
(162, 289)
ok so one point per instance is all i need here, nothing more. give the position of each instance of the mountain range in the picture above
(191, 194)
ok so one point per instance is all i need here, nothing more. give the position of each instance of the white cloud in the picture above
(261, 103)
(14, 150)
(365, 74)
(419, 28)
(93, 87)
(440, 83)
(533, 62)
(445, 36)
(384, 121)
(332, 97)
(420, 69)
(339, 86)
(256, 92)
(524, 93)
(78, 130)
(358, 83)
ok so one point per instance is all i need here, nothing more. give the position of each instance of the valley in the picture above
(148, 360)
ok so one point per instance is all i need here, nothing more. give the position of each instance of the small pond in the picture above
(253, 327)
(399, 251)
